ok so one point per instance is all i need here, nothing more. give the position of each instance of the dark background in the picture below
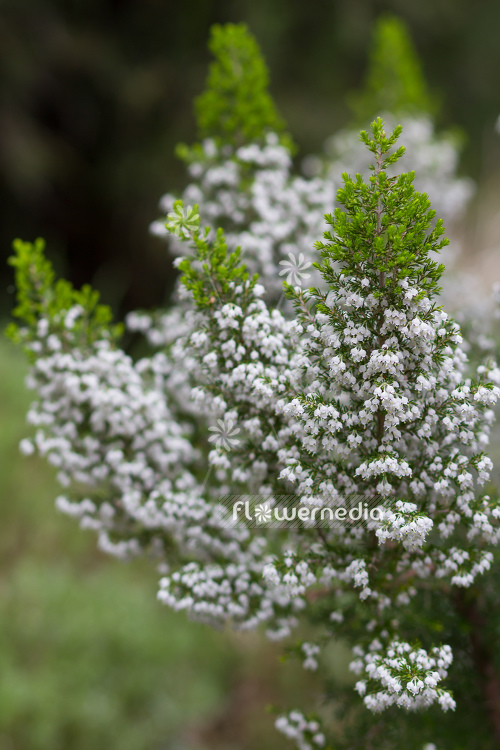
(96, 93)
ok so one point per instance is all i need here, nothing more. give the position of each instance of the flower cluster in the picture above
(408, 675)
(125, 462)
(405, 524)
(305, 733)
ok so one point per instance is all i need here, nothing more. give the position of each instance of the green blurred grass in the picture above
(88, 657)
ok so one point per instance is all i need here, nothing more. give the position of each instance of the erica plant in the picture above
(358, 387)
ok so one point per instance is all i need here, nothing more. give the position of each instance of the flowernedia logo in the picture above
(295, 269)
(225, 434)
(292, 511)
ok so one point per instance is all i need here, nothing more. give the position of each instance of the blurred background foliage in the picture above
(95, 94)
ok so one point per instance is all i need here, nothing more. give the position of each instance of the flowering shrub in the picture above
(357, 387)
(241, 174)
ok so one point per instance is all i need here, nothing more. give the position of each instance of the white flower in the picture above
(26, 447)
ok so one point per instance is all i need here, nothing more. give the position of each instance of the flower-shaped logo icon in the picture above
(183, 221)
(263, 513)
(224, 434)
(295, 268)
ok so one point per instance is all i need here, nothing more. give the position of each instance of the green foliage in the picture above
(220, 273)
(40, 296)
(383, 229)
(395, 81)
(96, 662)
(236, 106)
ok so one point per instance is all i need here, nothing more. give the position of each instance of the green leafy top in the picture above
(383, 232)
(395, 81)
(236, 106)
(40, 296)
